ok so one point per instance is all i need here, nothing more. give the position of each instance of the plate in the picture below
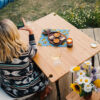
(56, 38)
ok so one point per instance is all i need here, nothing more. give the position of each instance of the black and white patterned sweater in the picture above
(22, 77)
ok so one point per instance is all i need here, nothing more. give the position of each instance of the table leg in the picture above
(58, 90)
(72, 77)
(93, 59)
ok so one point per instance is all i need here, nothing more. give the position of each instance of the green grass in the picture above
(34, 9)
(83, 14)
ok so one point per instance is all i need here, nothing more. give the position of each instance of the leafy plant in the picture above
(82, 16)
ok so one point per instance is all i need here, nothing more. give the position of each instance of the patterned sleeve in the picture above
(33, 48)
(0, 78)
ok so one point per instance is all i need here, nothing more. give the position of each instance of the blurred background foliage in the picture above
(80, 13)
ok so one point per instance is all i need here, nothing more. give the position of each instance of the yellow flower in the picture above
(92, 67)
(85, 66)
(77, 88)
(97, 83)
(75, 68)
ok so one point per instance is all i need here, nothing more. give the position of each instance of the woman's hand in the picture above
(26, 27)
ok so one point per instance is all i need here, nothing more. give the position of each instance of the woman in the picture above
(19, 75)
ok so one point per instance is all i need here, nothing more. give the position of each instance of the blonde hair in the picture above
(10, 43)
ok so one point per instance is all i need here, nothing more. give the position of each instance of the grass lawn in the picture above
(34, 9)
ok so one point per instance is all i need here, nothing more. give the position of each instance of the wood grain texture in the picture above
(80, 52)
(90, 32)
(75, 96)
(97, 34)
(97, 38)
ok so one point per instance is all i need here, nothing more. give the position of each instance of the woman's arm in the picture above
(32, 42)
(26, 27)
(33, 48)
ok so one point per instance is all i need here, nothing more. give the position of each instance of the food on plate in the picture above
(56, 40)
(57, 34)
(51, 37)
(62, 38)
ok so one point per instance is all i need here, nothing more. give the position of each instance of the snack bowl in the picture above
(56, 38)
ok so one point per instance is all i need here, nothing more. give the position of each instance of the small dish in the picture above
(56, 38)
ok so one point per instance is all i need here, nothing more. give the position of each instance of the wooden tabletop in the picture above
(57, 61)
(75, 96)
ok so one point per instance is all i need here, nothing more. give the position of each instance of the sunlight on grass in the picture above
(81, 13)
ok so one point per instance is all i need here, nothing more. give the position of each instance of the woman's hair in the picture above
(10, 43)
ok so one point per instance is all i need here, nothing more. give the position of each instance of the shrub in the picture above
(82, 16)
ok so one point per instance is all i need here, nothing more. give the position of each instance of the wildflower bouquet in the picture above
(87, 79)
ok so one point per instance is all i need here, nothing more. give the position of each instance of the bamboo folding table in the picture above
(68, 57)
